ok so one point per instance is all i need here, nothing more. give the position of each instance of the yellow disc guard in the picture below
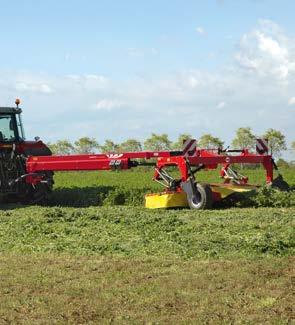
(166, 200)
(179, 199)
(227, 189)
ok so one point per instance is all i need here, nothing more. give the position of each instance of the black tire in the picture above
(280, 184)
(203, 199)
(36, 195)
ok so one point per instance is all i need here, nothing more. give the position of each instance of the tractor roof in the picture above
(10, 110)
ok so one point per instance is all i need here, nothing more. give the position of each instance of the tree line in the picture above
(244, 138)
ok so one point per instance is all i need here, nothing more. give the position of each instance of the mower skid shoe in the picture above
(189, 188)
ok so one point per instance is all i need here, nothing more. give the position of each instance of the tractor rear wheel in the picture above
(203, 198)
(36, 195)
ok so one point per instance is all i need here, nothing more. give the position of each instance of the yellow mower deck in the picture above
(179, 199)
(166, 200)
(227, 189)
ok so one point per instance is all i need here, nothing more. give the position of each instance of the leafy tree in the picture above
(276, 141)
(158, 142)
(86, 145)
(62, 147)
(244, 139)
(109, 146)
(208, 141)
(178, 145)
(130, 145)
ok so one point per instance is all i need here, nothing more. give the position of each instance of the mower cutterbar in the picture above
(182, 192)
(168, 199)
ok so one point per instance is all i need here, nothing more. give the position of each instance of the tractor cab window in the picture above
(8, 132)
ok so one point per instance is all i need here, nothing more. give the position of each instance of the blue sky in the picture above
(119, 69)
(66, 37)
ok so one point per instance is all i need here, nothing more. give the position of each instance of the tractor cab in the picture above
(12, 134)
(11, 127)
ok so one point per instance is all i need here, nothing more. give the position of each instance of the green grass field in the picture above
(95, 255)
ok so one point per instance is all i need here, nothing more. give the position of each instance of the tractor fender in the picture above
(42, 151)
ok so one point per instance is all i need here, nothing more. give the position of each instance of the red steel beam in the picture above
(88, 162)
(164, 158)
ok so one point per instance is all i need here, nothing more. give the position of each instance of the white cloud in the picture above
(267, 51)
(192, 81)
(271, 47)
(33, 88)
(291, 101)
(74, 77)
(140, 52)
(200, 30)
(135, 52)
(220, 105)
(87, 82)
(229, 37)
(154, 51)
(67, 57)
(45, 89)
(96, 77)
(108, 104)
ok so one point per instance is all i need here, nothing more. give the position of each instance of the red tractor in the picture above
(14, 150)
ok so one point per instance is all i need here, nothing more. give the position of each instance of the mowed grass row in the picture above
(135, 231)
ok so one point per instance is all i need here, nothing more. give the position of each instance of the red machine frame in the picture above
(184, 161)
